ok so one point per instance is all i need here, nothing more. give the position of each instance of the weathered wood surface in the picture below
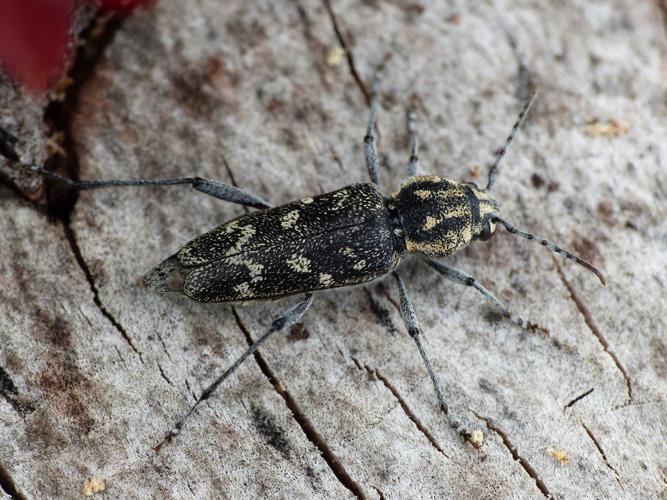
(94, 370)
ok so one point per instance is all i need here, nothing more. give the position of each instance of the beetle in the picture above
(350, 236)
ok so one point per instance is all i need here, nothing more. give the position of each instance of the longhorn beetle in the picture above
(346, 237)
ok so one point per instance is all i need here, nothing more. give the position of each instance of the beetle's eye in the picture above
(487, 231)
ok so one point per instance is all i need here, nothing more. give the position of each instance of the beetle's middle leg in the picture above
(288, 318)
(214, 188)
(411, 324)
(411, 122)
(370, 151)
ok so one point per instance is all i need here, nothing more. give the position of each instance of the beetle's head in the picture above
(441, 216)
(484, 212)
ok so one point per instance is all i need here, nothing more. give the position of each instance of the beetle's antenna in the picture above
(553, 247)
(288, 318)
(493, 171)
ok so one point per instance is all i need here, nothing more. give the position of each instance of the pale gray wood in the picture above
(254, 93)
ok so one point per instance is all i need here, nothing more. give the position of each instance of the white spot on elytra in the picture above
(307, 201)
(243, 289)
(348, 252)
(254, 269)
(360, 265)
(299, 263)
(326, 279)
(289, 219)
(247, 232)
(340, 197)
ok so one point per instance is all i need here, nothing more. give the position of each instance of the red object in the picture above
(122, 5)
(35, 40)
(36, 37)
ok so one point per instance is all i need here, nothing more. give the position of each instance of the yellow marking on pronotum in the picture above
(423, 194)
(457, 211)
(450, 194)
(448, 244)
(430, 223)
(412, 180)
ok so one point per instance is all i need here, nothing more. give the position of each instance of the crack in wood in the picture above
(71, 238)
(314, 45)
(8, 485)
(60, 113)
(348, 52)
(578, 398)
(530, 470)
(379, 492)
(164, 346)
(603, 455)
(164, 375)
(300, 417)
(385, 292)
(194, 395)
(191, 490)
(406, 409)
(10, 393)
(381, 313)
(662, 7)
(595, 330)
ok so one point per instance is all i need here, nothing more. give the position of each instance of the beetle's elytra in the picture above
(336, 239)
(347, 237)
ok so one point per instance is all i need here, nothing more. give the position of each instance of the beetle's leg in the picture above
(411, 324)
(370, 152)
(413, 163)
(458, 276)
(216, 189)
(288, 318)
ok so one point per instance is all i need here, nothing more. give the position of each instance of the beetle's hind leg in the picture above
(370, 151)
(463, 278)
(214, 188)
(412, 325)
(288, 318)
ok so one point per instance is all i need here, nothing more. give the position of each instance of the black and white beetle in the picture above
(347, 237)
